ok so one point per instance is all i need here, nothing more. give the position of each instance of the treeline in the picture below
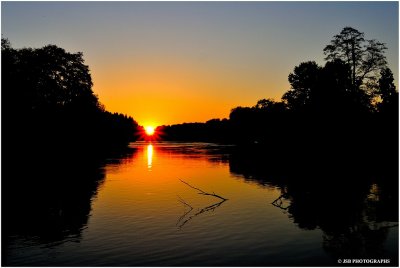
(350, 101)
(48, 102)
(214, 130)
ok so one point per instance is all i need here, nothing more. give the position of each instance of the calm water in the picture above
(134, 210)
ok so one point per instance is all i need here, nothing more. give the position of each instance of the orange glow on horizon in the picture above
(176, 92)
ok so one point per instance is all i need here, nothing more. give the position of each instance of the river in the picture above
(145, 208)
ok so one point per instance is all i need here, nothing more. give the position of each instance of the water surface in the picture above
(134, 210)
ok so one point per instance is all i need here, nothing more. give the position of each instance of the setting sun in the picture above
(149, 130)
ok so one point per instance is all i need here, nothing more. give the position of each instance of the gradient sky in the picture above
(174, 62)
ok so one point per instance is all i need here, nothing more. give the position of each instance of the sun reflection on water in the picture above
(149, 156)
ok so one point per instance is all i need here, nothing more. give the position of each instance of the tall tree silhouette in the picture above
(365, 57)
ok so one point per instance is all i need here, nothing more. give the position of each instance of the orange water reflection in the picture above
(149, 156)
(131, 193)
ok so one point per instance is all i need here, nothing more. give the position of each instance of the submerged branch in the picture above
(210, 208)
(203, 192)
(183, 202)
(182, 221)
(201, 211)
(279, 203)
(185, 213)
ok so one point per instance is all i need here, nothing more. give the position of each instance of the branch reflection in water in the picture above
(184, 219)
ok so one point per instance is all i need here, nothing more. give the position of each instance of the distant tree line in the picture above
(350, 101)
(48, 102)
(214, 130)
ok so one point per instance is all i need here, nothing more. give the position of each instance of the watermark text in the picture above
(364, 261)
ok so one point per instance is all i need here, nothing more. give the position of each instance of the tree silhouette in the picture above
(48, 98)
(270, 105)
(303, 81)
(336, 93)
(5, 44)
(387, 92)
(365, 57)
(50, 78)
(327, 89)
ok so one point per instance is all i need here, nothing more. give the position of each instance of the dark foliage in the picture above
(48, 102)
(387, 93)
(304, 81)
(214, 130)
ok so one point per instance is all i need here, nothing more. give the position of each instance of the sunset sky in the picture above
(174, 62)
